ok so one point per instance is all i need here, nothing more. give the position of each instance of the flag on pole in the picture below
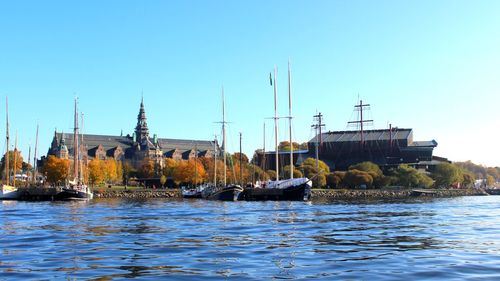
(270, 78)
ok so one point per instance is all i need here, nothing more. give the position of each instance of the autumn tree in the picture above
(110, 169)
(236, 157)
(56, 170)
(19, 161)
(189, 171)
(147, 168)
(169, 166)
(96, 171)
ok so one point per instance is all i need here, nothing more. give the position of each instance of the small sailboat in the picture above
(6, 190)
(291, 189)
(226, 192)
(76, 189)
(196, 190)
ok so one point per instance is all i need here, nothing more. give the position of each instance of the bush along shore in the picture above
(331, 194)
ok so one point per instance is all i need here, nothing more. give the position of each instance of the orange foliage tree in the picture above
(147, 168)
(185, 172)
(56, 170)
(19, 160)
(96, 171)
(209, 165)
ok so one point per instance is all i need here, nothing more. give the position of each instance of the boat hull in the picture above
(73, 194)
(300, 192)
(8, 192)
(229, 193)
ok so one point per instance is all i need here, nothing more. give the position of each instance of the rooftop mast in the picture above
(361, 121)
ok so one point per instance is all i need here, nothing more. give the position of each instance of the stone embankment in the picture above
(330, 194)
(138, 194)
(378, 194)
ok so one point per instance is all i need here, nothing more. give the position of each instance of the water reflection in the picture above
(122, 239)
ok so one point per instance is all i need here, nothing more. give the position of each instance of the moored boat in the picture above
(76, 189)
(298, 189)
(8, 192)
(230, 192)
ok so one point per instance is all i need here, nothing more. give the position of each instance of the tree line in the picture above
(240, 170)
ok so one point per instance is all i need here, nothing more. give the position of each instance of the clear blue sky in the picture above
(433, 66)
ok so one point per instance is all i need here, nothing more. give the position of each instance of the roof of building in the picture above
(111, 142)
(368, 135)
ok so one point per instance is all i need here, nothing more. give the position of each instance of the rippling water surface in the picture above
(111, 239)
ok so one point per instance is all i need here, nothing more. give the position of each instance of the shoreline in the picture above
(316, 194)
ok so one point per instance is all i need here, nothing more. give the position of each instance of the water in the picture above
(113, 239)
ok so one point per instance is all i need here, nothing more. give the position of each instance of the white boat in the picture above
(292, 189)
(8, 192)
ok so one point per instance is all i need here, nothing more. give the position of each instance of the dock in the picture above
(38, 193)
(418, 192)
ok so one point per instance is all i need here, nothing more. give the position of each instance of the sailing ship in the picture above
(225, 192)
(6, 190)
(76, 189)
(291, 189)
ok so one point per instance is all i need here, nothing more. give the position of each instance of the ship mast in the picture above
(224, 134)
(76, 146)
(14, 169)
(7, 172)
(276, 124)
(215, 161)
(34, 157)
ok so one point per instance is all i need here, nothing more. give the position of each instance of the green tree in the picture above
(128, 172)
(356, 178)
(372, 169)
(296, 172)
(490, 180)
(163, 180)
(271, 174)
(335, 179)
(310, 170)
(257, 173)
(410, 177)
(447, 174)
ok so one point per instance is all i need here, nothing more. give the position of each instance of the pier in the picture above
(38, 193)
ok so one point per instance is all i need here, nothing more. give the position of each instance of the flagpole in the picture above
(290, 116)
(276, 123)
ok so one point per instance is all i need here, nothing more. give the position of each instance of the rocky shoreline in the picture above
(378, 194)
(316, 194)
(139, 194)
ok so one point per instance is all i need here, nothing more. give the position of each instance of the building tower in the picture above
(141, 130)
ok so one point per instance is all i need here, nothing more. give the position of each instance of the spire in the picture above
(141, 130)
